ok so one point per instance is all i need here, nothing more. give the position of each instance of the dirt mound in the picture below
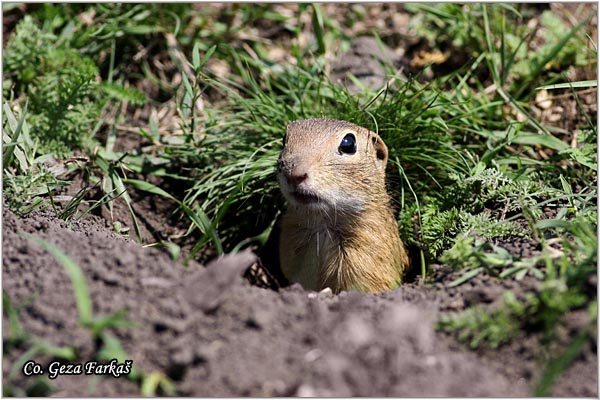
(213, 334)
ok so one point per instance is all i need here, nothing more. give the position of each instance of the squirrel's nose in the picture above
(293, 173)
(296, 179)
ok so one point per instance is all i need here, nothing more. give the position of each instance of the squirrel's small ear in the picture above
(381, 151)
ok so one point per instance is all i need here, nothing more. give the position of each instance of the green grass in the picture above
(470, 157)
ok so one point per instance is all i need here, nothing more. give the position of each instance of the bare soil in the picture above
(215, 334)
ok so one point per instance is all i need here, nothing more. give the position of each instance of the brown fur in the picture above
(346, 236)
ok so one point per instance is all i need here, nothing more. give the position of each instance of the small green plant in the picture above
(65, 101)
(479, 326)
(560, 363)
(60, 85)
(26, 179)
(566, 287)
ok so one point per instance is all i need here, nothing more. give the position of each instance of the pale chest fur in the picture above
(305, 249)
(365, 255)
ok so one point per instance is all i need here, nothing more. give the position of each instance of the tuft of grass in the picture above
(523, 170)
(238, 173)
(500, 33)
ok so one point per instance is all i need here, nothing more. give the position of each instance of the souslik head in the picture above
(338, 231)
(331, 166)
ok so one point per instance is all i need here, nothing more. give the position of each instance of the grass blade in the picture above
(10, 147)
(471, 274)
(317, 21)
(560, 364)
(548, 141)
(15, 329)
(490, 46)
(155, 380)
(571, 85)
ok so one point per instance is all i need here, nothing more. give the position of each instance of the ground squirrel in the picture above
(339, 229)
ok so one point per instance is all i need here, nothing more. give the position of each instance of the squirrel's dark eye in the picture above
(348, 145)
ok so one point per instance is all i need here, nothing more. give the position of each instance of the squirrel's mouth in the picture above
(305, 197)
